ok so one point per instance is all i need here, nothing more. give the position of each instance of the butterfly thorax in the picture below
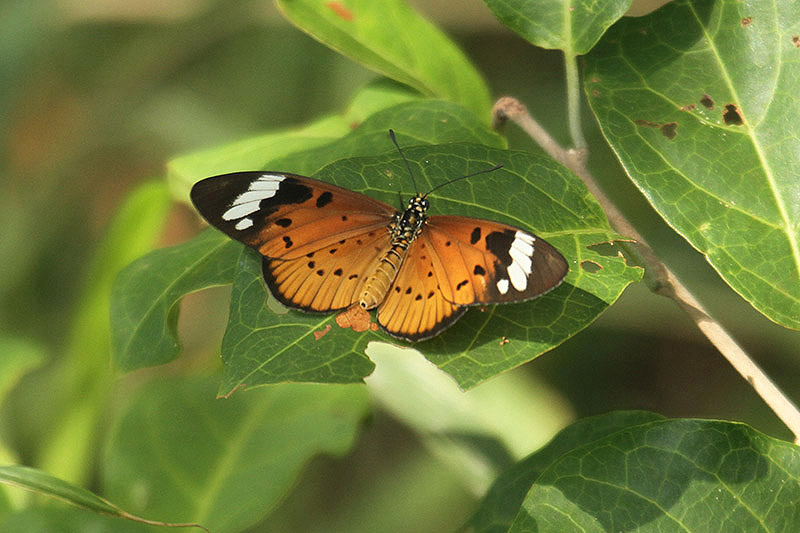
(403, 229)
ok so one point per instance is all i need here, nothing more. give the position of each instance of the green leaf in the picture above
(392, 39)
(19, 357)
(637, 471)
(263, 347)
(53, 487)
(181, 454)
(252, 152)
(144, 299)
(669, 91)
(82, 379)
(64, 519)
(574, 27)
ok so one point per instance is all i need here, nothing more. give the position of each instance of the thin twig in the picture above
(659, 278)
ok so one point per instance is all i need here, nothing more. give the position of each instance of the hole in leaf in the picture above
(591, 266)
(612, 249)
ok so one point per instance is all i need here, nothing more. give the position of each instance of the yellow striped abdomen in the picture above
(377, 285)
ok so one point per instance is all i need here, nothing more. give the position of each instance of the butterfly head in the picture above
(408, 224)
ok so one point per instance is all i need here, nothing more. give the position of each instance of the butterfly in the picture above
(326, 248)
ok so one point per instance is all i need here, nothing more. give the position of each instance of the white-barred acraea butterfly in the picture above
(327, 248)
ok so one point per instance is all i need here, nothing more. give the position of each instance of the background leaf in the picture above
(574, 27)
(47, 485)
(144, 299)
(394, 40)
(229, 461)
(703, 115)
(78, 390)
(660, 474)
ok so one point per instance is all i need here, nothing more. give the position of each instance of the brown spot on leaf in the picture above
(646, 123)
(669, 130)
(340, 11)
(707, 102)
(796, 41)
(747, 21)
(319, 334)
(689, 107)
(504, 341)
(732, 115)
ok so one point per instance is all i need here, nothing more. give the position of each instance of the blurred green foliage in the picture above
(94, 100)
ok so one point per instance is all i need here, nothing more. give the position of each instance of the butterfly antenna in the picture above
(448, 182)
(408, 166)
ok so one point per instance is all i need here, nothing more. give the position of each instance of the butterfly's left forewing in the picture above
(285, 215)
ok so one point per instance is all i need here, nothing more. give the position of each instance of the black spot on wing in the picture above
(284, 222)
(324, 199)
(475, 236)
(461, 284)
(499, 243)
(288, 241)
(290, 191)
(479, 271)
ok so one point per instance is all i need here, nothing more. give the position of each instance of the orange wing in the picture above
(415, 308)
(327, 278)
(284, 215)
(456, 262)
(483, 262)
(319, 241)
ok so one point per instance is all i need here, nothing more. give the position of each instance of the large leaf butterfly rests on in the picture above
(327, 248)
